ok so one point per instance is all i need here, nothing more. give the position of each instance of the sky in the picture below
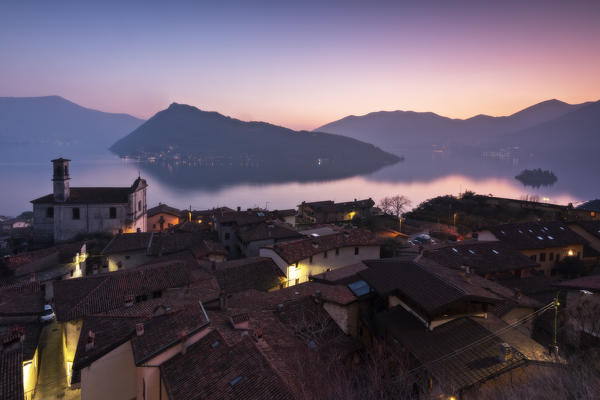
(302, 64)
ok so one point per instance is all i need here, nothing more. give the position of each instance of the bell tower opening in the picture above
(61, 179)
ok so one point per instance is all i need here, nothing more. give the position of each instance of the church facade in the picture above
(70, 211)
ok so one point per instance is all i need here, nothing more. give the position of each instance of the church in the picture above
(71, 211)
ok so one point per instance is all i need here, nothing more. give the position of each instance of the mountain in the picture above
(399, 130)
(574, 136)
(185, 134)
(56, 122)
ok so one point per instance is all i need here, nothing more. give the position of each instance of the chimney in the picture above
(89, 344)
(128, 301)
(258, 333)
(475, 236)
(139, 329)
(61, 179)
(239, 208)
(506, 353)
(183, 338)
(240, 321)
(318, 296)
(32, 277)
(518, 294)
(223, 301)
(315, 244)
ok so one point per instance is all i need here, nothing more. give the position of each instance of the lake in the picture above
(25, 174)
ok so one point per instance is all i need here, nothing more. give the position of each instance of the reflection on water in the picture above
(25, 176)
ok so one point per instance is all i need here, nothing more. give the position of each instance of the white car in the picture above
(48, 314)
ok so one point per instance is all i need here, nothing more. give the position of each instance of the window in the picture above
(76, 213)
(310, 260)
(127, 257)
(112, 212)
(551, 256)
(533, 258)
(139, 205)
(157, 294)
(337, 252)
(325, 254)
(542, 257)
(356, 251)
(557, 257)
(153, 226)
(227, 236)
(50, 212)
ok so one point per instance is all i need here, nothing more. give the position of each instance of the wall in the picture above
(346, 317)
(111, 377)
(593, 240)
(71, 332)
(43, 227)
(232, 245)
(305, 268)
(550, 264)
(30, 373)
(149, 373)
(128, 259)
(138, 214)
(93, 218)
(154, 224)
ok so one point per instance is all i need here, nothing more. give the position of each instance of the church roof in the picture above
(91, 195)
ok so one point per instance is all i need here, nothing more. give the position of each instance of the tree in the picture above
(394, 205)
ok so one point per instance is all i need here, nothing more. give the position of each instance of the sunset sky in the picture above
(302, 64)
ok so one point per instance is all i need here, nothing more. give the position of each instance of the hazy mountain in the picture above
(56, 122)
(572, 136)
(183, 134)
(398, 130)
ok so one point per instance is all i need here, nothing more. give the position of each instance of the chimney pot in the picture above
(139, 329)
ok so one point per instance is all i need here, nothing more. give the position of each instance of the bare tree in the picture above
(394, 205)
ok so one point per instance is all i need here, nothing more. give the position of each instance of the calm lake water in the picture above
(25, 174)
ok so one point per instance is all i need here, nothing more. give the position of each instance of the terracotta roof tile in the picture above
(259, 273)
(268, 230)
(210, 369)
(163, 209)
(537, 235)
(11, 378)
(76, 298)
(91, 195)
(296, 250)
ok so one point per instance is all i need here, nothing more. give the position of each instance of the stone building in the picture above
(70, 211)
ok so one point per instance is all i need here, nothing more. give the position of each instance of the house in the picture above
(71, 211)
(441, 322)
(490, 259)
(133, 249)
(76, 299)
(228, 226)
(302, 258)
(543, 242)
(162, 217)
(592, 207)
(581, 304)
(19, 360)
(221, 370)
(253, 237)
(258, 273)
(64, 261)
(325, 212)
(21, 305)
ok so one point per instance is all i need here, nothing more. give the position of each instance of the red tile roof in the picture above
(585, 282)
(537, 235)
(296, 250)
(163, 209)
(11, 377)
(91, 195)
(76, 298)
(259, 273)
(268, 230)
(211, 369)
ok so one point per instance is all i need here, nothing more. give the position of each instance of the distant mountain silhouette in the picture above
(573, 136)
(185, 135)
(54, 121)
(399, 130)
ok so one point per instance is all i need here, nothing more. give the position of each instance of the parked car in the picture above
(48, 314)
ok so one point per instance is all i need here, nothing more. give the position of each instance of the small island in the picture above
(537, 177)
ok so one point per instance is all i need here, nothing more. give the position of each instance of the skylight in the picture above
(541, 238)
(214, 344)
(562, 228)
(359, 288)
(502, 232)
(495, 251)
(550, 237)
(454, 250)
(472, 251)
(530, 231)
(520, 231)
(235, 380)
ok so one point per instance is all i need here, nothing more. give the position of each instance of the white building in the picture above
(303, 258)
(70, 211)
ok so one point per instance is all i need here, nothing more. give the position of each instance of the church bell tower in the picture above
(61, 179)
